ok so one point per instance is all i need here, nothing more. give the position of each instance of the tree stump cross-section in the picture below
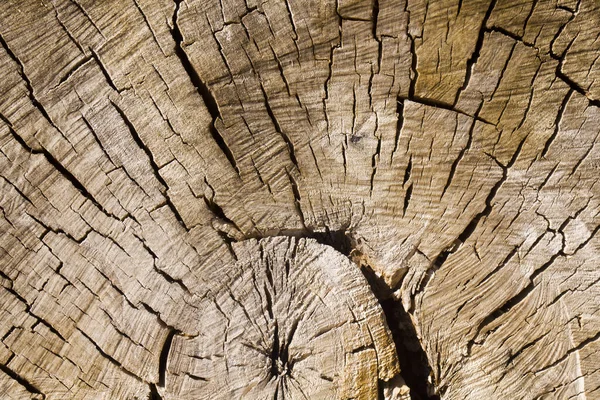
(299, 199)
(290, 319)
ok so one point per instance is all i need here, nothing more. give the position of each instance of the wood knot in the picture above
(355, 139)
(292, 318)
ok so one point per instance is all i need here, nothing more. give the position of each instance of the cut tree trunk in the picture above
(299, 199)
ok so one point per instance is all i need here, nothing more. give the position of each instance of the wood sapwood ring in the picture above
(291, 319)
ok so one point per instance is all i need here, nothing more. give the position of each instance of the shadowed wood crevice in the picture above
(415, 369)
(23, 382)
(201, 87)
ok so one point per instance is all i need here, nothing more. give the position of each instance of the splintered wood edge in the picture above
(291, 317)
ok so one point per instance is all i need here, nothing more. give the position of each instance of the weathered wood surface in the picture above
(449, 148)
(291, 319)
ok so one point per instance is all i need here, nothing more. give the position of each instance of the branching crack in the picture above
(475, 56)
(58, 166)
(138, 140)
(470, 228)
(202, 89)
(512, 302)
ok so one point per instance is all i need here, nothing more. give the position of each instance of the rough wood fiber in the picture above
(290, 319)
(151, 149)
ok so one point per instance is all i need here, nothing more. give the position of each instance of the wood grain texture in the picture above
(290, 319)
(166, 167)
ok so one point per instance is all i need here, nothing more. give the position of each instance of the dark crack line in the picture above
(512, 302)
(399, 125)
(375, 18)
(463, 151)
(72, 70)
(219, 213)
(476, 53)
(147, 22)
(58, 231)
(89, 18)
(297, 198)
(202, 89)
(104, 71)
(30, 312)
(164, 357)
(109, 357)
(413, 62)
(580, 346)
(574, 86)
(155, 169)
(501, 265)
(374, 162)
(470, 228)
(561, 59)
(488, 201)
(28, 85)
(516, 354)
(30, 387)
(66, 173)
(159, 271)
(414, 364)
(446, 106)
(154, 395)
(407, 197)
(69, 34)
(59, 167)
(533, 5)
(557, 120)
(284, 136)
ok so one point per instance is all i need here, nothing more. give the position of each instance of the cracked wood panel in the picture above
(452, 146)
